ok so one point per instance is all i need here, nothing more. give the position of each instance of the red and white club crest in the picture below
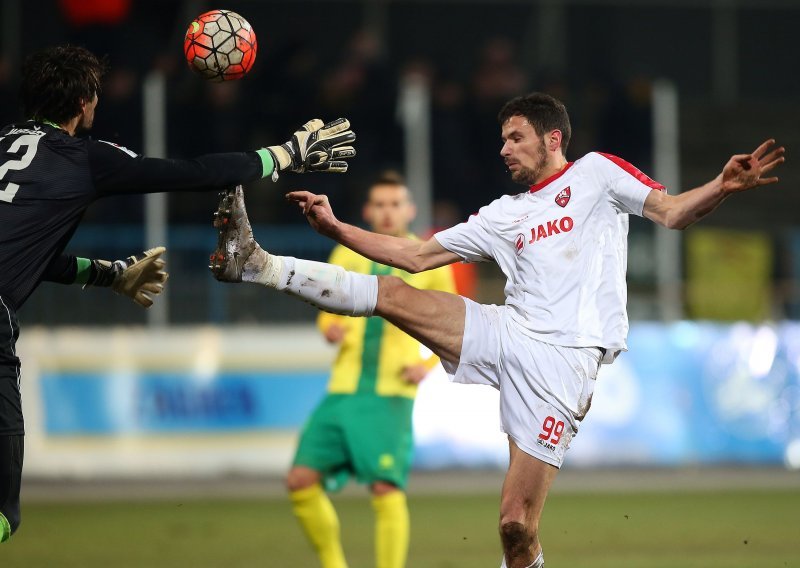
(563, 197)
(519, 243)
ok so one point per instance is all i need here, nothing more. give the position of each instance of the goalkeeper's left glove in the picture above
(138, 276)
(315, 147)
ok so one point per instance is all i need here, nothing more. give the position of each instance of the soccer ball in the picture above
(220, 45)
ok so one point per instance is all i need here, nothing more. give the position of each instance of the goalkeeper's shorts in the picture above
(10, 399)
(11, 422)
(364, 435)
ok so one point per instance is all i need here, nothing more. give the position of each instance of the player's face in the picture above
(389, 210)
(88, 114)
(524, 151)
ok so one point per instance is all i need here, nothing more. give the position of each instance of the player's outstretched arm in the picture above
(407, 254)
(742, 172)
(315, 147)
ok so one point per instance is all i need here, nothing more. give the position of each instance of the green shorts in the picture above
(367, 436)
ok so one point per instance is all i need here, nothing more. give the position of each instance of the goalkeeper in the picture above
(48, 177)
(139, 277)
(363, 426)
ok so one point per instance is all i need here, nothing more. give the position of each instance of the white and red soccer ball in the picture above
(220, 45)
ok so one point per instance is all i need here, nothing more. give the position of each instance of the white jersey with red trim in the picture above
(563, 247)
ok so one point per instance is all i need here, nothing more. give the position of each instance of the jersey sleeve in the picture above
(470, 240)
(627, 186)
(63, 269)
(116, 169)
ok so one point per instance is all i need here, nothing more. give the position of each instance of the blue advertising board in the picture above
(684, 393)
(158, 403)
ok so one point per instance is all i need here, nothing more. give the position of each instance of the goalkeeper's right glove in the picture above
(316, 147)
(138, 276)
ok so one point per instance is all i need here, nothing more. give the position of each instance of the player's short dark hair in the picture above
(543, 112)
(388, 177)
(57, 80)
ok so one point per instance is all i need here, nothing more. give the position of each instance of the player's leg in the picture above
(434, 318)
(12, 426)
(545, 393)
(320, 449)
(317, 516)
(380, 435)
(524, 492)
(11, 452)
(392, 525)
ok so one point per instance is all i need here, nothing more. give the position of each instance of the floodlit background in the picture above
(215, 382)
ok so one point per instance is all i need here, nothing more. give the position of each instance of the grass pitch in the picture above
(753, 529)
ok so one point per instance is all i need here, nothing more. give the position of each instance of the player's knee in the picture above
(301, 478)
(517, 539)
(391, 294)
(389, 284)
(380, 488)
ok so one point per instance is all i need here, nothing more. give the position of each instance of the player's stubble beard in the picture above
(529, 176)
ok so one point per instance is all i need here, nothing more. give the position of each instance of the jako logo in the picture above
(563, 225)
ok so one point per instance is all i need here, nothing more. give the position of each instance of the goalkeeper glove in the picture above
(137, 277)
(316, 147)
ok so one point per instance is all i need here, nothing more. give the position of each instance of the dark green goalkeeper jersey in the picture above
(48, 179)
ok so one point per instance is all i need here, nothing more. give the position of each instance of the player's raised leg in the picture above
(524, 492)
(435, 319)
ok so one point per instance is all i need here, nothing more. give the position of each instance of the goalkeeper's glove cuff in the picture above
(282, 158)
(269, 164)
(102, 273)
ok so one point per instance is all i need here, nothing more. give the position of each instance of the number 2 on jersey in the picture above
(552, 430)
(31, 141)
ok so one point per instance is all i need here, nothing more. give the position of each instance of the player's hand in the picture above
(140, 276)
(316, 147)
(334, 333)
(745, 171)
(414, 374)
(317, 210)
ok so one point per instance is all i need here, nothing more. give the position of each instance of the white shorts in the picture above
(545, 389)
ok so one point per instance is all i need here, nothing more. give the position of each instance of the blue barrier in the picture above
(164, 403)
(684, 393)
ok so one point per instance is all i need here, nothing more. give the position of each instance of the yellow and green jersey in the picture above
(374, 353)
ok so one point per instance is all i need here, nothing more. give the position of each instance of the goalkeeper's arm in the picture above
(315, 147)
(139, 276)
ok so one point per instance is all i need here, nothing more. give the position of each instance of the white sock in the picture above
(326, 286)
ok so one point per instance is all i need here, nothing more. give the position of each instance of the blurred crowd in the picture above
(351, 58)
(299, 75)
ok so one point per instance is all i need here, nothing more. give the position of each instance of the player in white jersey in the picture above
(562, 246)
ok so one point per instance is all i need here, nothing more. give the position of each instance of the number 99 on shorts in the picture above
(550, 435)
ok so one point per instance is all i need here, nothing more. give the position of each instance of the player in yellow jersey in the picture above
(363, 425)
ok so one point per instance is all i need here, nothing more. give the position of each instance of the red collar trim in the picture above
(537, 186)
